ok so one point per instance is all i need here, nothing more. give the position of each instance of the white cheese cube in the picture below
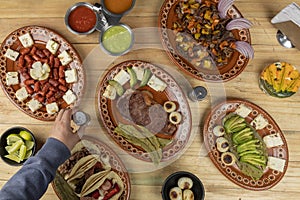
(65, 58)
(243, 110)
(110, 92)
(273, 140)
(259, 122)
(52, 46)
(139, 72)
(12, 78)
(26, 40)
(276, 163)
(71, 75)
(69, 97)
(34, 105)
(122, 77)
(22, 94)
(156, 84)
(52, 108)
(11, 54)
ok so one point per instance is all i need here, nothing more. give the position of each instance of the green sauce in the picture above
(116, 39)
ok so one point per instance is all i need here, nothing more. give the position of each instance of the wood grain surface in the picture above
(143, 19)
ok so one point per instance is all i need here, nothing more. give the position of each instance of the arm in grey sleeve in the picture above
(32, 180)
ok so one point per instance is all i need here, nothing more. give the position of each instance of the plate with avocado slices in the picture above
(144, 111)
(246, 145)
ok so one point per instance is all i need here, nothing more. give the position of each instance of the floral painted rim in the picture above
(224, 75)
(270, 177)
(183, 132)
(116, 164)
(40, 35)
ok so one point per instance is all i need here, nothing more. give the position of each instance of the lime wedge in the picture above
(7, 148)
(12, 138)
(22, 152)
(25, 135)
(29, 144)
(28, 154)
(13, 157)
(16, 146)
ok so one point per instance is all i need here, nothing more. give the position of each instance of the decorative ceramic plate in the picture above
(235, 66)
(270, 177)
(41, 36)
(109, 114)
(62, 190)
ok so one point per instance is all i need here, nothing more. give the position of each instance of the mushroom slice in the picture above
(175, 117)
(188, 195)
(185, 183)
(218, 130)
(169, 106)
(228, 158)
(175, 193)
(222, 144)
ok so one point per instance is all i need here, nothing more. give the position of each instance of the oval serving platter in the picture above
(108, 114)
(270, 177)
(40, 35)
(63, 191)
(235, 66)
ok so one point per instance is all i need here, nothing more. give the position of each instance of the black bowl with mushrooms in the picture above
(182, 185)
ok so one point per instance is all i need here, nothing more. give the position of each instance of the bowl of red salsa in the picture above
(81, 18)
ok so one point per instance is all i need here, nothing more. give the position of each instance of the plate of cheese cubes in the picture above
(40, 72)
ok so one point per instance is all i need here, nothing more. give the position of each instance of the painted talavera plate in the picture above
(64, 191)
(235, 66)
(41, 36)
(270, 177)
(109, 115)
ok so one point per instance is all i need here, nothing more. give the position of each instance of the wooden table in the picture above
(16, 14)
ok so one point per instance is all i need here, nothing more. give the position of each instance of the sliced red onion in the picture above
(223, 7)
(244, 48)
(238, 23)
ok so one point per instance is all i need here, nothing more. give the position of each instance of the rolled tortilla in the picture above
(82, 166)
(93, 183)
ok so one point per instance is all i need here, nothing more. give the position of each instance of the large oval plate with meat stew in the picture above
(144, 111)
(39, 67)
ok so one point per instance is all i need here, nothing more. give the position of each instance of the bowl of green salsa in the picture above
(116, 40)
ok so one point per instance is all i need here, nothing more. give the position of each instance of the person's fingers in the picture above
(67, 116)
(60, 115)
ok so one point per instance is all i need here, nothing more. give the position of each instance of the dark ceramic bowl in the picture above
(172, 181)
(3, 144)
(71, 9)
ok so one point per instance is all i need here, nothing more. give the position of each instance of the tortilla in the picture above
(88, 145)
(82, 166)
(93, 183)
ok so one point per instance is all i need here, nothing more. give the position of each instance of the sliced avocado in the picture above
(251, 152)
(146, 77)
(245, 131)
(238, 127)
(250, 170)
(117, 86)
(244, 138)
(133, 77)
(254, 161)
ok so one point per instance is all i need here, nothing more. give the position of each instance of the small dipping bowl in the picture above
(279, 79)
(14, 130)
(172, 181)
(117, 8)
(116, 40)
(81, 18)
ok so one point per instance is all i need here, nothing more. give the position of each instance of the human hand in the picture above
(62, 130)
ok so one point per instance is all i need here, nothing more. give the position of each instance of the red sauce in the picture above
(118, 6)
(82, 19)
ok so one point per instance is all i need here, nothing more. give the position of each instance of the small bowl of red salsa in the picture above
(81, 19)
